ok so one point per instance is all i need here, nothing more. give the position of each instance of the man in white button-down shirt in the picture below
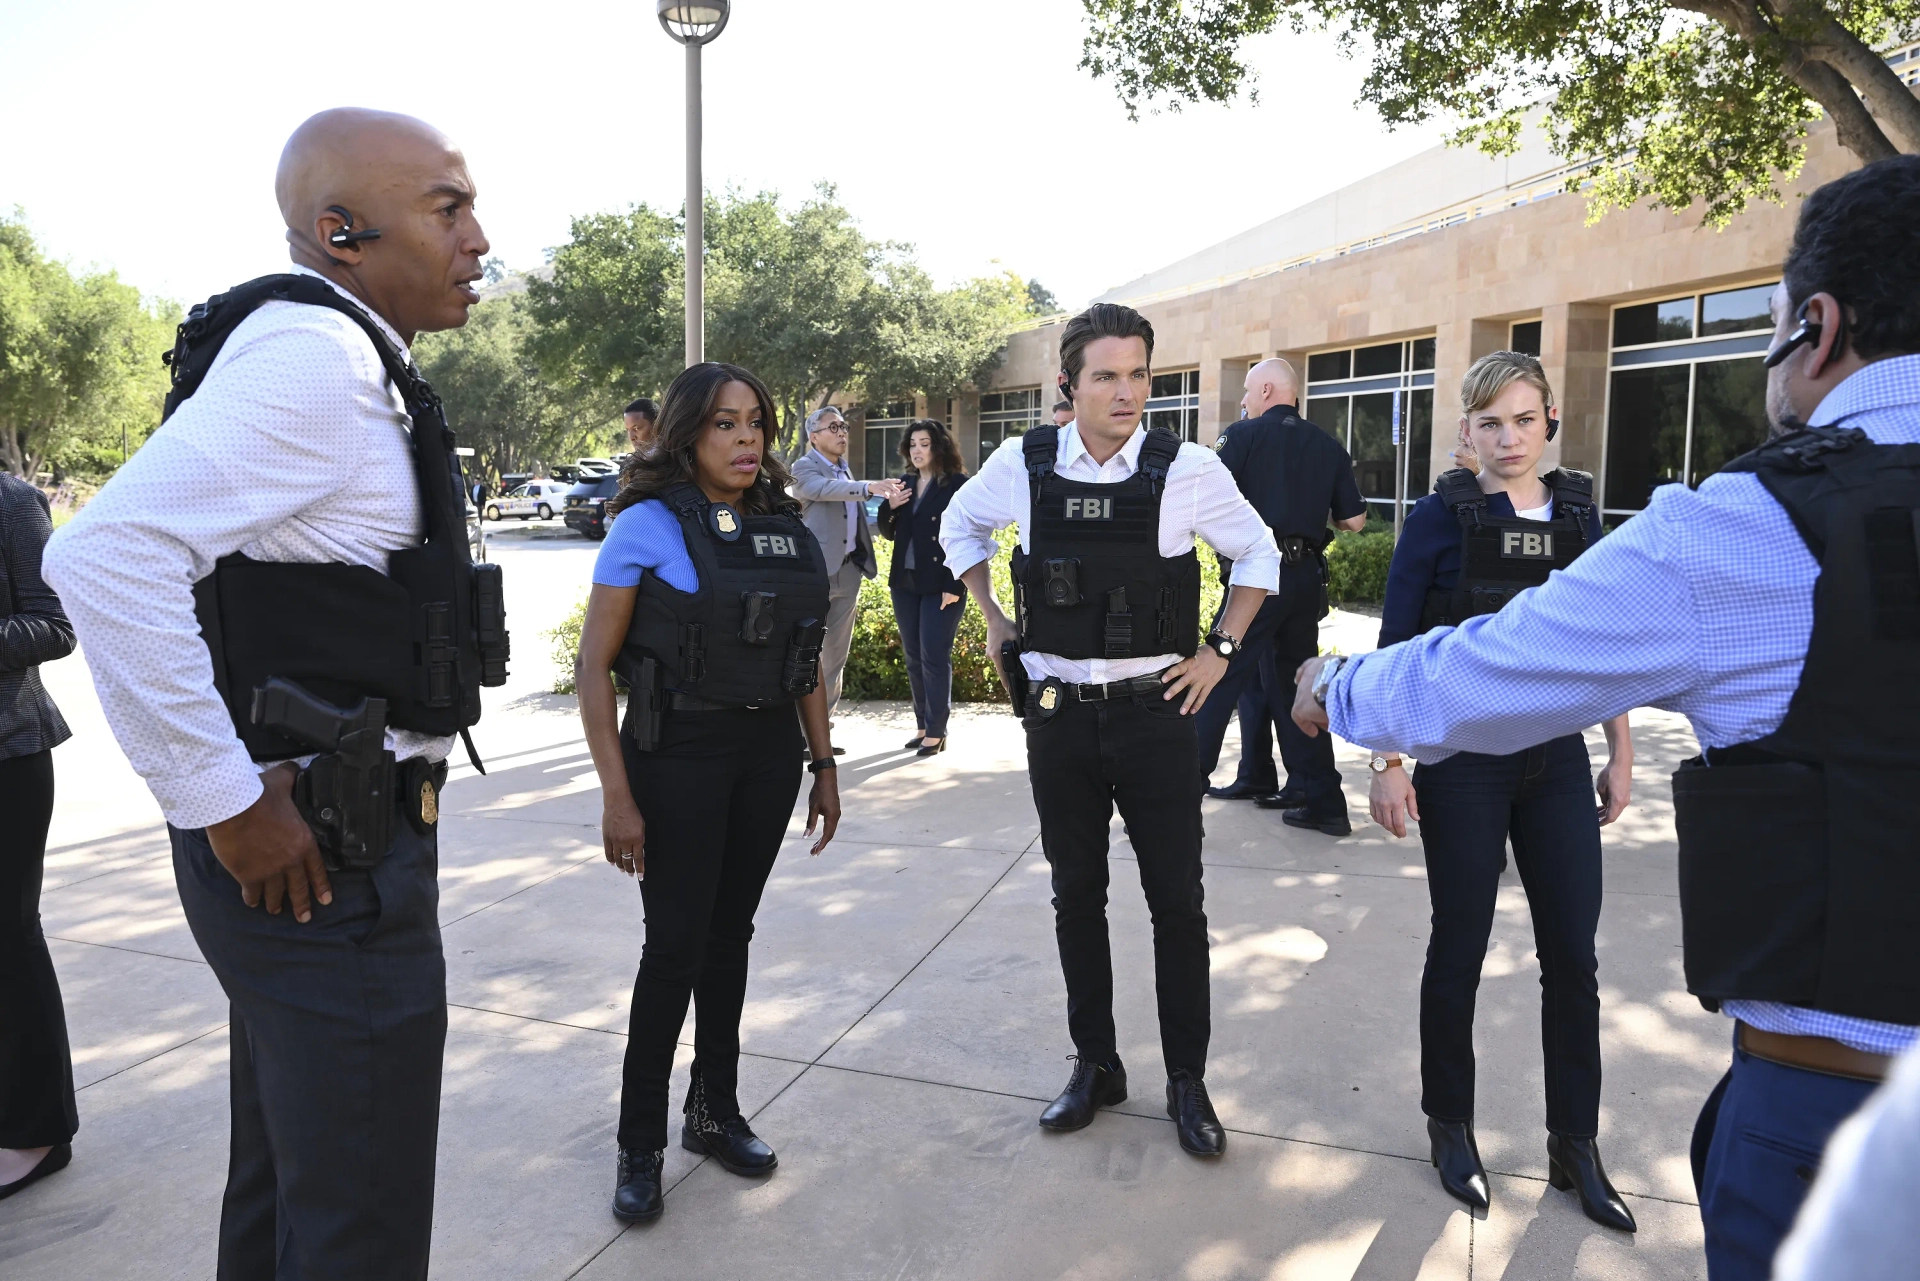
(296, 448)
(1111, 721)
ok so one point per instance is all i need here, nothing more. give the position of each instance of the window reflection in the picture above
(1646, 432)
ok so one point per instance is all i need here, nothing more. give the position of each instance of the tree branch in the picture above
(1890, 101)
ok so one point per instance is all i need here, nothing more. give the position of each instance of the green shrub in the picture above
(1357, 566)
(566, 647)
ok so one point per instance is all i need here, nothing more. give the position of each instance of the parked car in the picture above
(536, 498)
(586, 508)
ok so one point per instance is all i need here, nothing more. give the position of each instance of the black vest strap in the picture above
(1459, 489)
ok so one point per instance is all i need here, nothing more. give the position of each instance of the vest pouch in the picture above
(800, 675)
(757, 617)
(1060, 582)
(1753, 879)
(1117, 628)
(490, 621)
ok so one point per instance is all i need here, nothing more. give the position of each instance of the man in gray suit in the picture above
(833, 505)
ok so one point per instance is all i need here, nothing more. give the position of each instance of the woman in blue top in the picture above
(1467, 549)
(708, 596)
(927, 600)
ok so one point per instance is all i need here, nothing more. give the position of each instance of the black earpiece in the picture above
(346, 235)
(1553, 424)
(1066, 384)
(1807, 332)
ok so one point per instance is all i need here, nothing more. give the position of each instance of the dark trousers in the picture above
(1285, 633)
(338, 1030)
(1756, 1149)
(1137, 753)
(926, 634)
(36, 1068)
(1469, 805)
(716, 795)
(1257, 768)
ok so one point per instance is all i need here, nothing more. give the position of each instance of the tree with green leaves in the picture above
(500, 400)
(1676, 101)
(80, 371)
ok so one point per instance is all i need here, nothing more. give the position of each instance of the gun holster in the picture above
(347, 794)
(1019, 684)
(646, 705)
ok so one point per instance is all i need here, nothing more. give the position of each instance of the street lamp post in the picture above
(695, 23)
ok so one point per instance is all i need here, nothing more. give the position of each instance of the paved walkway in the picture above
(904, 1025)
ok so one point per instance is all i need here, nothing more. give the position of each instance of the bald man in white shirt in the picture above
(312, 450)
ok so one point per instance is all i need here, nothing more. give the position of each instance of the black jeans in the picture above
(716, 795)
(36, 1068)
(1469, 805)
(926, 634)
(338, 1030)
(1284, 634)
(1138, 753)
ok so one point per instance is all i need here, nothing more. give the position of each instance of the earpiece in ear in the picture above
(345, 235)
(1807, 332)
(1553, 424)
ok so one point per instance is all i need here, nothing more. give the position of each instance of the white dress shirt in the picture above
(1201, 500)
(295, 448)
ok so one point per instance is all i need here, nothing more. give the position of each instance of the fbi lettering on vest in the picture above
(1089, 509)
(775, 545)
(1526, 545)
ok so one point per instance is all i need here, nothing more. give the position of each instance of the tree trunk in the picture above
(1890, 101)
(1853, 124)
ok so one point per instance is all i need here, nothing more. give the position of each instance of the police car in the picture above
(536, 498)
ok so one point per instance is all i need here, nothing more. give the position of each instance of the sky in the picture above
(143, 137)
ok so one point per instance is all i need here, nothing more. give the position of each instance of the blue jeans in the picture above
(1756, 1148)
(926, 634)
(1469, 805)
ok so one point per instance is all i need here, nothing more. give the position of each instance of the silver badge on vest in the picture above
(1525, 544)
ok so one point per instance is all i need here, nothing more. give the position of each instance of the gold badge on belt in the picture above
(429, 803)
(1049, 697)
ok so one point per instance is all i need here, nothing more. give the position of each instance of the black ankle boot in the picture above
(636, 1191)
(1573, 1165)
(728, 1140)
(1457, 1157)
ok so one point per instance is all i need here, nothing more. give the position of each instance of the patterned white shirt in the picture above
(295, 448)
(1201, 500)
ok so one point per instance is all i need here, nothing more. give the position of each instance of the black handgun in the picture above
(1014, 673)
(346, 794)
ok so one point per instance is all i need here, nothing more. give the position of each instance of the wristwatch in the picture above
(1323, 681)
(1223, 644)
(1381, 764)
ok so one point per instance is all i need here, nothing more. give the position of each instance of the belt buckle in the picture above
(1090, 692)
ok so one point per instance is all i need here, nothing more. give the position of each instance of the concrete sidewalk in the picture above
(904, 1025)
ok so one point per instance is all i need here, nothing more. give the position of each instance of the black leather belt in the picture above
(693, 703)
(1115, 689)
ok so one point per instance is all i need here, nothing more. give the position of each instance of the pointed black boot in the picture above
(1090, 1088)
(1573, 1165)
(1457, 1157)
(636, 1191)
(728, 1140)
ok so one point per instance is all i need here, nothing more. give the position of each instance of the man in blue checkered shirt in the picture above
(1799, 854)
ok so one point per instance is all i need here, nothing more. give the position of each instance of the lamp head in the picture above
(693, 21)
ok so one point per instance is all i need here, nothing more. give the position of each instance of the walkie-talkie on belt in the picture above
(347, 794)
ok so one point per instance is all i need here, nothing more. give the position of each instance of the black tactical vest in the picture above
(426, 635)
(1800, 852)
(1095, 584)
(1502, 556)
(762, 581)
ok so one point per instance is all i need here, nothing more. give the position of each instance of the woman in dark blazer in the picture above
(37, 1116)
(927, 600)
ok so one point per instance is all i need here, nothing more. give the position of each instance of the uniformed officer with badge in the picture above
(1111, 662)
(277, 604)
(710, 599)
(1299, 479)
(1774, 605)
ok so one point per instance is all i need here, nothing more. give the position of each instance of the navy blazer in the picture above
(919, 528)
(33, 627)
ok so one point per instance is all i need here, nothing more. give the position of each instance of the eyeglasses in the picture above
(836, 426)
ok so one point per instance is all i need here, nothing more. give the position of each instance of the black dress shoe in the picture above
(636, 1191)
(1240, 791)
(1199, 1129)
(1090, 1088)
(728, 1140)
(933, 750)
(1332, 822)
(1574, 1165)
(57, 1159)
(1457, 1157)
(1286, 798)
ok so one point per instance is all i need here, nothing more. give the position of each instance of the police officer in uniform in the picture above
(1775, 607)
(277, 604)
(1297, 477)
(710, 599)
(1468, 549)
(1107, 595)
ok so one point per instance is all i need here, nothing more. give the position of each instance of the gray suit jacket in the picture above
(823, 497)
(33, 627)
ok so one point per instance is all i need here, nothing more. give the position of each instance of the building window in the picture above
(1359, 395)
(1686, 393)
(885, 424)
(1524, 336)
(1005, 416)
(1173, 403)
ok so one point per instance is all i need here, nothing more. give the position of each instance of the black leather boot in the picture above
(1573, 1165)
(636, 1190)
(728, 1140)
(1457, 1157)
(1090, 1088)
(1199, 1129)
